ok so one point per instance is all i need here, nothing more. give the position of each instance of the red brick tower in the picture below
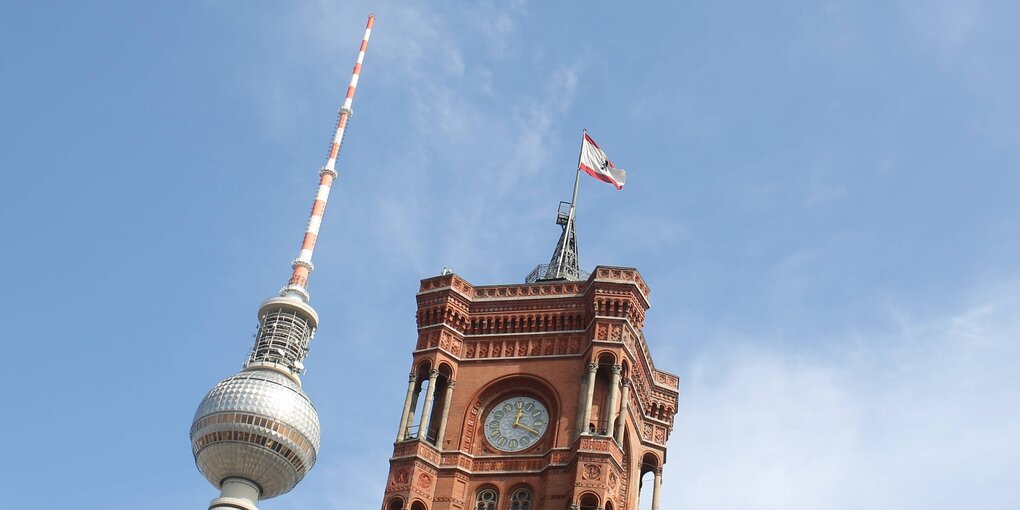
(532, 396)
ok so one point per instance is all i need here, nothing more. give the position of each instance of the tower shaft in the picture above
(541, 396)
(256, 434)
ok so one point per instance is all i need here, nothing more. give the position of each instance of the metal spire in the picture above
(302, 265)
(564, 264)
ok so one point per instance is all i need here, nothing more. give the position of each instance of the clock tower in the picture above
(540, 395)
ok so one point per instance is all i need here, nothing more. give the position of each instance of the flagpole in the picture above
(573, 202)
(577, 175)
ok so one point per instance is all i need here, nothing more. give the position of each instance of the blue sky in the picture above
(822, 196)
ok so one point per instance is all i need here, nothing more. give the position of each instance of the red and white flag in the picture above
(595, 163)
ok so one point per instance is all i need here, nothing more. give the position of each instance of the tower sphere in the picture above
(256, 425)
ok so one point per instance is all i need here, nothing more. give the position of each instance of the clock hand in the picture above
(523, 426)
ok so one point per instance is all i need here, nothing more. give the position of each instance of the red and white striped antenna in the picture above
(302, 265)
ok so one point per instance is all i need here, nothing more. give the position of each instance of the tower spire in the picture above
(256, 434)
(564, 264)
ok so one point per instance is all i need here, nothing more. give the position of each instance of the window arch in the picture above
(521, 499)
(486, 500)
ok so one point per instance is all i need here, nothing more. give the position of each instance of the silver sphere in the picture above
(257, 425)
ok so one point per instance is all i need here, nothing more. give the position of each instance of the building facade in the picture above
(532, 396)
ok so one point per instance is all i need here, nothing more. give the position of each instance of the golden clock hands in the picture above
(517, 422)
(525, 427)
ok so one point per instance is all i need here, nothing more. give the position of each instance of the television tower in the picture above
(256, 434)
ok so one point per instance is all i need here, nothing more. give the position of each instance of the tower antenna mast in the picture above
(256, 434)
(302, 265)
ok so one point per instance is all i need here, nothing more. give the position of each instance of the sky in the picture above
(821, 195)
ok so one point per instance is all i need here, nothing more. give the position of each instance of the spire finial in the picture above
(564, 264)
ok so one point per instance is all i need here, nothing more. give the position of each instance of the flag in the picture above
(595, 163)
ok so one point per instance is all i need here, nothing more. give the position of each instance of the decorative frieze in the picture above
(623, 274)
(654, 433)
(522, 347)
(666, 379)
(524, 291)
(416, 449)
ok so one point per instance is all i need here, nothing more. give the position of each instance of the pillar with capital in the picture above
(657, 488)
(621, 422)
(446, 412)
(589, 394)
(426, 411)
(582, 392)
(412, 378)
(614, 393)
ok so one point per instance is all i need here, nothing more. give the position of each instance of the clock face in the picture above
(516, 423)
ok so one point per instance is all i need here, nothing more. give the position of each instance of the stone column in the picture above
(656, 489)
(412, 378)
(590, 389)
(580, 402)
(446, 412)
(621, 422)
(614, 394)
(426, 411)
(410, 412)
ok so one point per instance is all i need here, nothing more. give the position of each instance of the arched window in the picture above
(521, 499)
(589, 502)
(395, 504)
(487, 500)
(649, 465)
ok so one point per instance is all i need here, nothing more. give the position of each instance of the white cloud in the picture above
(927, 416)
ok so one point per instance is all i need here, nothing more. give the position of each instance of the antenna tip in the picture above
(371, 20)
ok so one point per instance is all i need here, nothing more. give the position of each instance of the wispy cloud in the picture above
(470, 139)
(945, 24)
(927, 416)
